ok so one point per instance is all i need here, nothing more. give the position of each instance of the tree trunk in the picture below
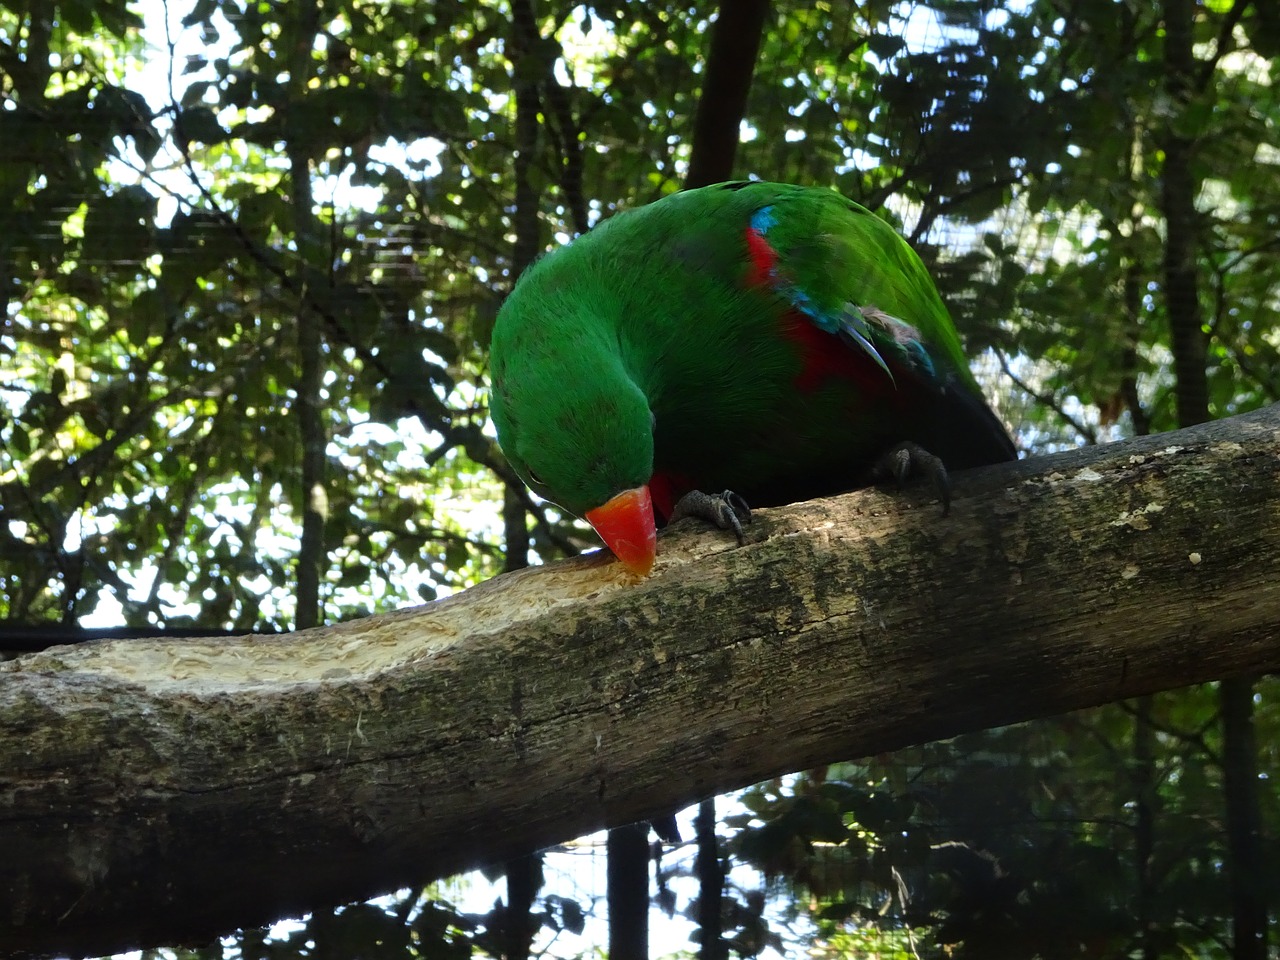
(524, 878)
(1178, 199)
(710, 885)
(627, 880)
(731, 62)
(163, 791)
(1146, 801)
(311, 433)
(1244, 821)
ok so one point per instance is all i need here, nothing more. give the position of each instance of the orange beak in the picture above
(626, 526)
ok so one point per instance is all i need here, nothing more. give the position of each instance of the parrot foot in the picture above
(909, 459)
(727, 510)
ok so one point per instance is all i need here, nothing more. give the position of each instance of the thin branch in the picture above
(1047, 400)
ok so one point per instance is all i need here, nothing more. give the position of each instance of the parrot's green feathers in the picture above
(589, 433)
(765, 338)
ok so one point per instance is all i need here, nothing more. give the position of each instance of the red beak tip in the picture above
(626, 526)
(637, 562)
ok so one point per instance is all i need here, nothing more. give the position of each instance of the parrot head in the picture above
(579, 432)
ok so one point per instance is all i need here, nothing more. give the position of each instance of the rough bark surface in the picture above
(155, 791)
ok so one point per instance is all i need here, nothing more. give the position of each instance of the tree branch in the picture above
(164, 791)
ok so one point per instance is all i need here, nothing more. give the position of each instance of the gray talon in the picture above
(727, 510)
(908, 459)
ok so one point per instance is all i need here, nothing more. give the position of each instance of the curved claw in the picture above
(726, 510)
(908, 459)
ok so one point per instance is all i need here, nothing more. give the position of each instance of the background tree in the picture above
(251, 255)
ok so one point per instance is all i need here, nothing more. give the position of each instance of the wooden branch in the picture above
(158, 791)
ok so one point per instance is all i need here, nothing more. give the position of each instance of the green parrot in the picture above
(773, 341)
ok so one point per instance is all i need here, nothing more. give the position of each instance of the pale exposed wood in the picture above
(153, 791)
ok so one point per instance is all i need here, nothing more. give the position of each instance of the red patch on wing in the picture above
(666, 489)
(825, 357)
(763, 259)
